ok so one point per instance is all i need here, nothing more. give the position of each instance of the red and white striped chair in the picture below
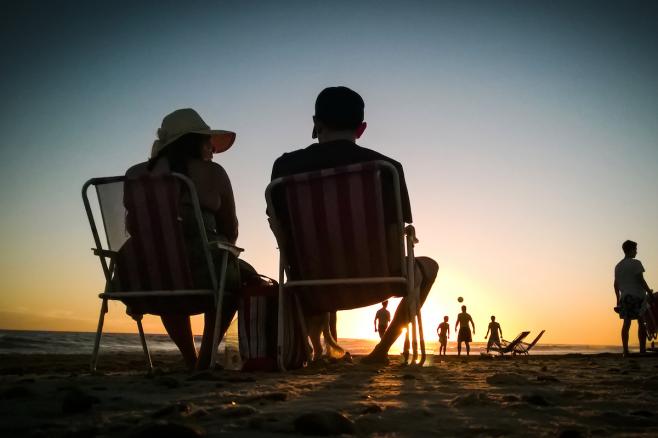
(142, 224)
(341, 243)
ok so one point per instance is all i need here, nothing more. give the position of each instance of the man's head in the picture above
(384, 304)
(338, 115)
(445, 318)
(630, 248)
(493, 318)
(463, 308)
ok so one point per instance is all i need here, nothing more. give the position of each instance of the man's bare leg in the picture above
(624, 335)
(642, 335)
(427, 269)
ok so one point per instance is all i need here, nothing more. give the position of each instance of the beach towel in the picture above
(258, 313)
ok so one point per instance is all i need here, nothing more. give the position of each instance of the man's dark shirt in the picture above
(334, 154)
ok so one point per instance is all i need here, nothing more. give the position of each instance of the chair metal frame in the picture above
(510, 346)
(217, 290)
(407, 266)
(525, 347)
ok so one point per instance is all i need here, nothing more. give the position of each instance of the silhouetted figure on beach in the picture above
(382, 318)
(632, 293)
(496, 334)
(185, 145)
(443, 330)
(464, 332)
(337, 124)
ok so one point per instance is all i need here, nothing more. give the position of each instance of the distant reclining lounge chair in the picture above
(524, 347)
(510, 346)
(339, 246)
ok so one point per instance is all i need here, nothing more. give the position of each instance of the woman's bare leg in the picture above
(229, 307)
(179, 329)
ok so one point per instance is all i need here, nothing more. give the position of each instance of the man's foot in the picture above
(375, 358)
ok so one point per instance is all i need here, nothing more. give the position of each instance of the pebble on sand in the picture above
(76, 401)
(324, 423)
(167, 429)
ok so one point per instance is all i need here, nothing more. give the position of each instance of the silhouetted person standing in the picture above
(496, 334)
(632, 292)
(464, 333)
(443, 330)
(382, 318)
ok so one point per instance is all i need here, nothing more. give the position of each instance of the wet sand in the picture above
(573, 395)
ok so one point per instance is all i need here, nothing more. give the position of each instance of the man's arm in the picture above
(617, 290)
(472, 323)
(457, 324)
(375, 321)
(485, 336)
(501, 331)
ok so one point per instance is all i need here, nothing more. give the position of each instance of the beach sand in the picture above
(573, 395)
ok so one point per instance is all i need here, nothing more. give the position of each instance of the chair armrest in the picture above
(410, 231)
(235, 250)
(105, 253)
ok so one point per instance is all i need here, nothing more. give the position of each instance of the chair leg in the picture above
(99, 332)
(218, 316)
(142, 338)
(421, 335)
(280, 326)
(414, 340)
(302, 326)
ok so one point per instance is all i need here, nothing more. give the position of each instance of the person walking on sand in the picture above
(464, 333)
(384, 317)
(496, 334)
(632, 292)
(443, 330)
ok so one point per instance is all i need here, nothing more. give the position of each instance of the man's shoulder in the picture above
(334, 154)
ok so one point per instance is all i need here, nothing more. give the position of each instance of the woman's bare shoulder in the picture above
(208, 169)
(137, 170)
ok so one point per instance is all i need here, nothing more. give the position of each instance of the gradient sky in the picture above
(528, 134)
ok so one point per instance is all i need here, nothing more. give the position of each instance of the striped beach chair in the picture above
(342, 244)
(142, 226)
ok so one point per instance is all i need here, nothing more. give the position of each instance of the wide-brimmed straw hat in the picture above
(187, 121)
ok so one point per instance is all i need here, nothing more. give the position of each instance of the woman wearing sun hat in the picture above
(184, 145)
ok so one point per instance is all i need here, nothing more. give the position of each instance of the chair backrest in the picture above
(334, 223)
(532, 344)
(520, 337)
(143, 225)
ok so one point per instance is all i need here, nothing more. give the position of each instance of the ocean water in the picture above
(45, 342)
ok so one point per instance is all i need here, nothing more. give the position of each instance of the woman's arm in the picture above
(226, 217)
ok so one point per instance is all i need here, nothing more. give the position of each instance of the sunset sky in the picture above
(528, 135)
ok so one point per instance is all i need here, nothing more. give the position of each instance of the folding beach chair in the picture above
(524, 347)
(151, 230)
(341, 244)
(510, 346)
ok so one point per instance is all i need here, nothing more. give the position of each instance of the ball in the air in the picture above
(460, 299)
